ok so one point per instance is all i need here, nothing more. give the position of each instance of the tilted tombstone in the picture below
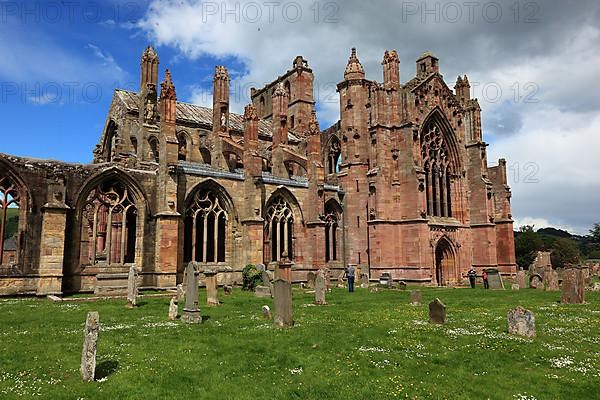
(515, 286)
(402, 285)
(494, 278)
(132, 287)
(180, 293)
(521, 322)
(364, 281)
(310, 279)
(212, 292)
(262, 291)
(90, 346)
(522, 278)
(266, 311)
(385, 279)
(228, 290)
(261, 267)
(320, 288)
(573, 286)
(437, 312)
(284, 317)
(266, 279)
(415, 298)
(173, 309)
(191, 312)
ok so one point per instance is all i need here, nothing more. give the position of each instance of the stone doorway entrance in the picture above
(444, 262)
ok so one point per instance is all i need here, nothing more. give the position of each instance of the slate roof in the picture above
(198, 115)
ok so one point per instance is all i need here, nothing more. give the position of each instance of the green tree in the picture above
(527, 244)
(565, 251)
(595, 234)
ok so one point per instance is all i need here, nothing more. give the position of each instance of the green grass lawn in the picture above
(360, 346)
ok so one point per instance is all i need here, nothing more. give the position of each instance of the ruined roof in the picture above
(194, 114)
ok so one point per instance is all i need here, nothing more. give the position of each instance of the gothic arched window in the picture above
(109, 225)
(331, 233)
(182, 147)
(205, 228)
(154, 149)
(438, 168)
(279, 227)
(10, 198)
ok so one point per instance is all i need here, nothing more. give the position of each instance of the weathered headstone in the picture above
(132, 287)
(522, 278)
(437, 312)
(535, 282)
(310, 279)
(515, 286)
(494, 278)
(551, 279)
(283, 270)
(90, 345)
(402, 285)
(212, 292)
(180, 293)
(266, 279)
(521, 322)
(266, 311)
(385, 279)
(320, 288)
(364, 281)
(415, 298)
(573, 286)
(283, 303)
(173, 309)
(261, 267)
(191, 312)
(228, 290)
(373, 290)
(262, 291)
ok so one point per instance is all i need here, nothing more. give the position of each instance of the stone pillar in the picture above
(212, 292)
(90, 345)
(283, 304)
(320, 288)
(284, 270)
(52, 248)
(132, 287)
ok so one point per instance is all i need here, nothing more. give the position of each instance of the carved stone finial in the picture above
(390, 56)
(221, 72)
(354, 69)
(313, 124)
(250, 113)
(150, 55)
(280, 91)
(167, 88)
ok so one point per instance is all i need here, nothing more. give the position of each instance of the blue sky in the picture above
(545, 51)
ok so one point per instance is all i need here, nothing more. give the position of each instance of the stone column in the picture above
(191, 312)
(212, 292)
(52, 248)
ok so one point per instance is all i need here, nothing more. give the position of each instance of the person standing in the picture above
(472, 274)
(350, 276)
(486, 284)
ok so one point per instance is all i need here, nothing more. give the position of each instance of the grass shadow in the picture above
(106, 368)
(205, 318)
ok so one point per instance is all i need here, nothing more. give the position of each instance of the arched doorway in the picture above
(444, 262)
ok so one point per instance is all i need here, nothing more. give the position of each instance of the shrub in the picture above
(251, 277)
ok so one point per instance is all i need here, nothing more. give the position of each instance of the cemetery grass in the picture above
(360, 346)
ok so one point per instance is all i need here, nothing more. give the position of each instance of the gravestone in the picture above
(266, 279)
(320, 288)
(402, 285)
(364, 281)
(261, 267)
(90, 345)
(283, 303)
(437, 312)
(385, 279)
(340, 280)
(173, 309)
(180, 293)
(191, 312)
(494, 279)
(283, 269)
(535, 282)
(415, 298)
(132, 287)
(212, 292)
(310, 279)
(515, 286)
(327, 273)
(228, 290)
(521, 322)
(262, 291)
(595, 287)
(373, 290)
(266, 311)
(522, 279)
(551, 278)
(573, 286)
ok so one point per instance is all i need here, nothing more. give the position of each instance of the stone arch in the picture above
(154, 148)
(15, 203)
(184, 147)
(111, 136)
(283, 217)
(210, 219)
(445, 261)
(109, 225)
(333, 154)
(205, 155)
